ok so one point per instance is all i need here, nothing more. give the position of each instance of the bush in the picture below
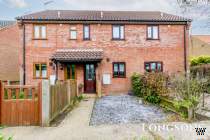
(188, 91)
(200, 60)
(150, 86)
(3, 138)
(155, 84)
(137, 84)
(153, 99)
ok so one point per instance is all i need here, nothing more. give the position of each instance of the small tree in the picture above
(188, 91)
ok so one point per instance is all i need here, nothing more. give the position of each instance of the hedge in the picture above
(200, 60)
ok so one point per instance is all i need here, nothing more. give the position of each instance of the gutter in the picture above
(185, 50)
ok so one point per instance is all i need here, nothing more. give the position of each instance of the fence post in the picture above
(68, 91)
(45, 103)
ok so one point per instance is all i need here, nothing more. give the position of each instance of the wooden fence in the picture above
(61, 96)
(19, 105)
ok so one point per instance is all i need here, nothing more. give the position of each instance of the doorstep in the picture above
(89, 95)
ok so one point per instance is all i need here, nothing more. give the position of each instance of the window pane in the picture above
(43, 29)
(86, 32)
(36, 32)
(121, 69)
(147, 67)
(37, 71)
(73, 71)
(121, 32)
(149, 32)
(68, 71)
(153, 66)
(116, 32)
(115, 69)
(44, 71)
(159, 67)
(155, 32)
(73, 34)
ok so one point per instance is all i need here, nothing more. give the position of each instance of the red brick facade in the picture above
(134, 50)
(9, 53)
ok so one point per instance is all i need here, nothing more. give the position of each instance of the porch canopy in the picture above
(78, 55)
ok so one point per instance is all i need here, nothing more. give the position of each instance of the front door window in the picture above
(90, 72)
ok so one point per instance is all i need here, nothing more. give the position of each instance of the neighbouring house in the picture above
(9, 52)
(102, 49)
(199, 45)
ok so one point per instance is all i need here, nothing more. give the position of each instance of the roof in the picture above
(5, 23)
(78, 55)
(75, 15)
(204, 38)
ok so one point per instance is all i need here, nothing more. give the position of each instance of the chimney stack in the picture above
(102, 14)
(59, 14)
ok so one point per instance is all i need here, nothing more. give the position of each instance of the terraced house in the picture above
(101, 49)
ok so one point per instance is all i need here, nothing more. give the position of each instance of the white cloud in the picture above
(16, 3)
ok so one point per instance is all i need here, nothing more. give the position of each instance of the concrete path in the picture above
(76, 127)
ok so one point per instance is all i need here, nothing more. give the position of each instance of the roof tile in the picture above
(102, 16)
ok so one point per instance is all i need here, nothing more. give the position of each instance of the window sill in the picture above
(39, 39)
(72, 39)
(118, 39)
(39, 78)
(119, 77)
(86, 39)
(153, 39)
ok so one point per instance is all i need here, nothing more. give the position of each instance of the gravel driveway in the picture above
(124, 109)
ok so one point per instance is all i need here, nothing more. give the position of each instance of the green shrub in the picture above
(137, 84)
(188, 89)
(21, 95)
(155, 84)
(153, 99)
(3, 138)
(150, 86)
(200, 60)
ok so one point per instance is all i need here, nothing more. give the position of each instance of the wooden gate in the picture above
(19, 105)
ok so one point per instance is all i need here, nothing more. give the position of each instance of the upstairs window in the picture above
(86, 32)
(118, 32)
(153, 66)
(40, 70)
(153, 32)
(119, 70)
(40, 32)
(73, 33)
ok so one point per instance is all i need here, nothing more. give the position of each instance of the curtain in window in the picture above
(43, 29)
(86, 32)
(36, 32)
(44, 70)
(37, 71)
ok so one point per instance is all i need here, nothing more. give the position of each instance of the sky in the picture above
(200, 13)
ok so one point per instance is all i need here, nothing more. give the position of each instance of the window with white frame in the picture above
(152, 32)
(118, 32)
(40, 32)
(73, 33)
(86, 32)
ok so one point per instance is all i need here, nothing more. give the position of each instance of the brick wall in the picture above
(9, 53)
(134, 50)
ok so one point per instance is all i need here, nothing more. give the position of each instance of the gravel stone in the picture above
(124, 109)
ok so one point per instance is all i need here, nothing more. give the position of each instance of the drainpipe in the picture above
(24, 58)
(185, 50)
